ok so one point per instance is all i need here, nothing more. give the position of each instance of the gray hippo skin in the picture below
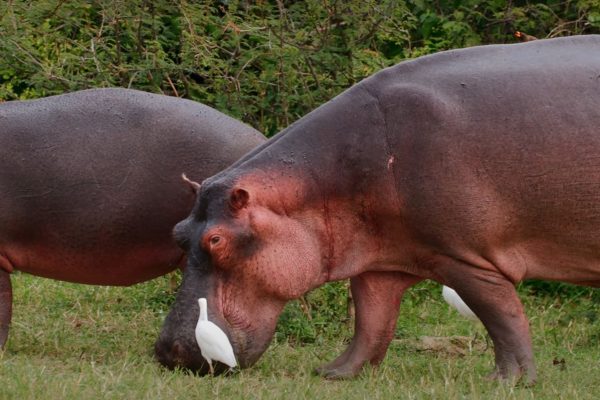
(90, 183)
(476, 168)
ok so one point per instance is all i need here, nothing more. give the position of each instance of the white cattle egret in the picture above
(455, 301)
(213, 342)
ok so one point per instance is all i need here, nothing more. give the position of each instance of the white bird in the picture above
(455, 301)
(213, 342)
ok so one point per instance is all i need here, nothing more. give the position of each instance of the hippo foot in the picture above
(5, 306)
(3, 335)
(336, 371)
(514, 377)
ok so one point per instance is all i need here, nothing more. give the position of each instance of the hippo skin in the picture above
(476, 168)
(90, 183)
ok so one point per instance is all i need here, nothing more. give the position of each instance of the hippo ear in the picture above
(238, 199)
(195, 186)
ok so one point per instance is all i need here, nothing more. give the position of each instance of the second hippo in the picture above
(90, 183)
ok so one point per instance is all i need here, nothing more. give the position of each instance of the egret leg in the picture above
(377, 297)
(210, 367)
(5, 306)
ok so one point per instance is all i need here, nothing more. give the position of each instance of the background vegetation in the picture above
(267, 63)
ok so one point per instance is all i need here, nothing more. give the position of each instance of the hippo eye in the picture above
(215, 240)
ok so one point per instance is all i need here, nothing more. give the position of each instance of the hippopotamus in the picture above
(476, 168)
(90, 183)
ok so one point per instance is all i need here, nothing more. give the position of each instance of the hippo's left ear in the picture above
(195, 186)
(238, 199)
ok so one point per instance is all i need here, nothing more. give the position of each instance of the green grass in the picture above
(83, 342)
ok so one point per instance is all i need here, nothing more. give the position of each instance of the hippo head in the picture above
(249, 252)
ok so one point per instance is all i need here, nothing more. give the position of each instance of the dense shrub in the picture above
(265, 62)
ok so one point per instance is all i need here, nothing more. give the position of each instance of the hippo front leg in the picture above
(494, 300)
(377, 297)
(5, 306)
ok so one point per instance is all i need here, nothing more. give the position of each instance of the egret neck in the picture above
(203, 309)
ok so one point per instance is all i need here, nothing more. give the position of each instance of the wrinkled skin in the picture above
(90, 183)
(477, 168)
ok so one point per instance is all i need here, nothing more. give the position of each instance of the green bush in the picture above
(265, 62)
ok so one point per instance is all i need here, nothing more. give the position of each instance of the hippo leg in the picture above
(5, 306)
(494, 299)
(377, 297)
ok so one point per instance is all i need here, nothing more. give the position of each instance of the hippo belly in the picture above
(90, 183)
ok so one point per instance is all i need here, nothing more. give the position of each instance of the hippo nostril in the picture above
(169, 355)
(177, 352)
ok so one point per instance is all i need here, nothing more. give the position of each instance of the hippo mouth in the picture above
(184, 353)
(179, 357)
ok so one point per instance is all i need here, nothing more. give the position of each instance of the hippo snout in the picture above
(179, 354)
(176, 354)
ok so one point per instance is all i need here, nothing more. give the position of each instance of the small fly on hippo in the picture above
(476, 168)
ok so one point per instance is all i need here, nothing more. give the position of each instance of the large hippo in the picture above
(90, 183)
(476, 168)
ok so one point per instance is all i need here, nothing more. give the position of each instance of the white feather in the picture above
(455, 301)
(213, 342)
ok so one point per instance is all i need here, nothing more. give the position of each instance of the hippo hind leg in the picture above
(5, 299)
(494, 300)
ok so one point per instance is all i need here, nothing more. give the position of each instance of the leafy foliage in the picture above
(265, 62)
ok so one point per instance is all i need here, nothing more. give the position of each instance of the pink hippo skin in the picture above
(476, 168)
(90, 183)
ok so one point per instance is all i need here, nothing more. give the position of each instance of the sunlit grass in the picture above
(84, 342)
